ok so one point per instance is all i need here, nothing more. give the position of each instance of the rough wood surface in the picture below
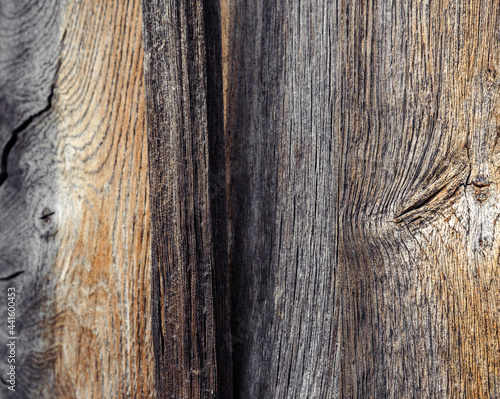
(362, 143)
(75, 239)
(282, 114)
(364, 244)
(183, 75)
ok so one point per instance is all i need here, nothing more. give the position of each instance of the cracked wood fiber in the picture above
(183, 75)
(362, 144)
(74, 240)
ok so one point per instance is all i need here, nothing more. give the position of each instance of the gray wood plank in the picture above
(362, 139)
(28, 69)
(283, 97)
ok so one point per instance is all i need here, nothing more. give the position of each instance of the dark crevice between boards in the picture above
(217, 195)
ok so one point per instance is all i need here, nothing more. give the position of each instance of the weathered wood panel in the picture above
(362, 140)
(363, 197)
(28, 67)
(183, 76)
(74, 194)
(283, 117)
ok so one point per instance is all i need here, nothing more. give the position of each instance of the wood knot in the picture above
(491, 74)
(47, 224)
(481, 183)
(46, 214)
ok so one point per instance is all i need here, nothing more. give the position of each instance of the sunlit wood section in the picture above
(75, 181)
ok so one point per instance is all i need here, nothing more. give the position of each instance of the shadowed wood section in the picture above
(363, 150)
(282, 121)
(188, 209)
(75, 187)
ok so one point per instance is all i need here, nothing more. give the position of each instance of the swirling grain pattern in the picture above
(363, 197)
(76, 190)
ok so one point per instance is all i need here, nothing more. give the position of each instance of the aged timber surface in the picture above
(363, 153)
(74, 240)
(282, 112)
(183, 75)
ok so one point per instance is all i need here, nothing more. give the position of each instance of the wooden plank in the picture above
(187, 168)
(283, 116)
(363, 197)
(74, 184)
(419, 245)
(28, 66)
(422, 284)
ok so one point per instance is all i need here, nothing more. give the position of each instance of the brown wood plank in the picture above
(418, 216)
(187, 171)
(75, 198)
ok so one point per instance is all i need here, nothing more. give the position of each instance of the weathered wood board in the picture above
(75, 241)
(183, 75)
(363, 151)
(282, 113)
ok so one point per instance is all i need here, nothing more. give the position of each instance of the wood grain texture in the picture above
(75, 187)
(418, 213)
(183, 76)
(283, 115)
(28, 65)
(363, 150)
